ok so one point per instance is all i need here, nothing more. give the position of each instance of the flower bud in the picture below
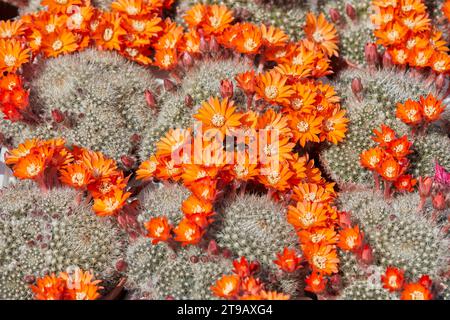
(57, 116)
(187, 60)
(371, 54)
(121, 265)
(29, 279)
(366, 254)
(425, 185)
(357, 86)
(213, 45)
(438, 201)
(440, 81)
(334, 15)
(226, 88)
(188, 101)
(387, 60)
(350, 11)
(203, 46)
(150, 99)
(168, 85)
(127, 161)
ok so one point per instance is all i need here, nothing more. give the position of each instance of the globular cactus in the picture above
(13, 286)
(156, 201)
(158, 272)
(92, 98)
(368, 289)
(255, 227)
(399, 234)
(352, 20)
(374, 105)
(52, 231)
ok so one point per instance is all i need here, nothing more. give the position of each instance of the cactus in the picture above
(49, 232)
(399, 234)
(382, 90)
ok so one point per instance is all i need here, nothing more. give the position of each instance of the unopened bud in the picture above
(188, 101)
(187, 60)
(438, 201)
(371, 54)
(29, 279)
(213, 45)
(440, 81)
(193, 259)
(334, 15)
(425, 185)
(150, 99)
(127, 161)
(367, 254)
(226, 88)
(350, 11)
(135, 138)
(203, 46)
(212, 248)
(387, 60)
(357, 86)
(121, 266)
(168, 85)
(57, 116)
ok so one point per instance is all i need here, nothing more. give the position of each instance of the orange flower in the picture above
(306, 215)
(399, 55)
(304, 98)
(390, 169)
(322, 33)
(288, 261)
(169, 169)
(109, 205)
(147, 169)
(30, 167)
(275, 176)
(392, 36)
(218, 116)
(247, 81)
(249, 39)
(108, 32)
(305, 127)
(98, 164)
(195, 15)
(226, 287)
(271, 86)
(192, 42)
(322, 258)
(416, 22)
(275, 149)
(273, 37)
(409, 112)
(440, 62)
(446, 9)
(405, 183)
(60, 6)
(193, 205)
(350, 239)
(75, 175)
(187, 232)
(416, 291)
(172, 144)
(372, 158)
(315, 283)
(130, 7)
(218, 18)
(59, 42)
(49, 288)
(311, 192)
(335, 126)
(293, 72)
(11, 29)
(421, 57)
(80, 285)
(158, 228)
(400, 148)
(244, 169)
(12, 55)
(318, 235)
(431, 108)
(13, 156)
(385, 136)
(166, 59)
(393, 279)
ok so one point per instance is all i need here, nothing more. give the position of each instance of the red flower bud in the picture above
(121, 265)
(371, 54)
(213, 45)
(29, 279)
(57, 116)
(357, 86)
(135, 138)
(150, 99)
(168, 85)
(193, 259)
(212, 248)
(438, 201)
(387, 60)
(334, 15)
(440, 81)
(187, 60)
(425, 185)
(350, 11)
(127, 161)
(226, 88)
(188, 101)
(203, 45)
(366, 254)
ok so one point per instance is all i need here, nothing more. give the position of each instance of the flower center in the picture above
(308, 219)
(9, 60)
(302, 126)
(218, 120)
(250, 44)
(108, 34)
(50, 28)
(240, 170)
(273, 177)
(132, 10)
(138, 25)
(417, 295)
(297, 103)
(271, 92)
(78, 179)
(6, 34)
(57, 45)
(319, 261)
(389, 172)
(318, 37)
(215, 23)
(33, 169)
(429, 110)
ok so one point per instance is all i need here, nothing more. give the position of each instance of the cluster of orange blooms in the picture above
(389, 159)
(50, 162)
(77, 285)
(416, 113)
(242, 285)
(446, 9)
(321, 230)
(199, 160)
(13, 97)
(405, 29)
(394, 280)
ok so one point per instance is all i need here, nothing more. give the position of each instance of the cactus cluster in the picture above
(374, 105)
(49, 232)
